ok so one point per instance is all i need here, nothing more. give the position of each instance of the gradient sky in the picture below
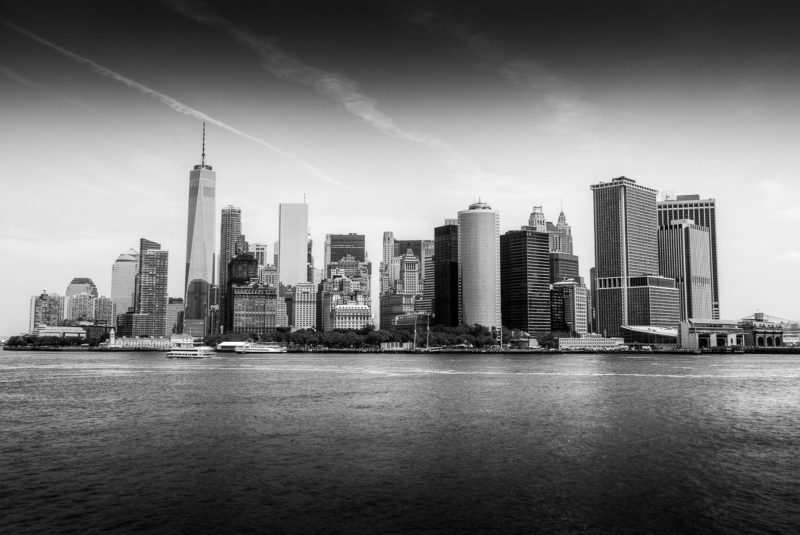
(391, 115)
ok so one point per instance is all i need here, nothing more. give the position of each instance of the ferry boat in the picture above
(184, 348)
(261, 347)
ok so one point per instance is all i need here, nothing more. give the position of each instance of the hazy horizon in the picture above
(390, 116)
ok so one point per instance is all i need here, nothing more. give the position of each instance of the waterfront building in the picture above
(684, 254)
(105, 311)
(479, 266)
(123, 280)
(445, 265)
(46, 309)
(337, 290)
(709, 333)
(151, 285)
(525, 279)
(351, 316)
(304, 305)
(393, 306)
(569, 308)
(293, 244)
(338, 246)
(704, 213)
(591, 343)
(200, 247)
(628, 290)
(58, 331)
(254, 309)
(132, 324)
(762, 330)
(174, 320)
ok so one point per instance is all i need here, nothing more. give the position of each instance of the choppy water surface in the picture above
(135, 442)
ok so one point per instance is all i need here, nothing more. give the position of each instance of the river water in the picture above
(292, 443)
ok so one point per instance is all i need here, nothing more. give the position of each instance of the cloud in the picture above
(791, 256)
(335, 86)
(566, 110)
(172, 103)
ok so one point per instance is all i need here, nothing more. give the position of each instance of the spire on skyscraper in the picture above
(203, 155)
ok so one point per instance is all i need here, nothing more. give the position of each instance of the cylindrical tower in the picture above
(479, 266)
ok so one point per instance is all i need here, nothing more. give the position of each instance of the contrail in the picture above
(172, 103)
(335, 86)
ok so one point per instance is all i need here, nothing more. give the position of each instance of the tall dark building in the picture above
(445, 267)
(626, 247)
(242, 270)
(338, 246)
(684, 253)
(563, 266)
(151, 285)
(525, 280)
(704, 213)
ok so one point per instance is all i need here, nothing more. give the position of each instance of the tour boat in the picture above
(261, 347)
(185, 349)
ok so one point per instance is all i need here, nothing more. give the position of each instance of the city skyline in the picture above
(446, 109)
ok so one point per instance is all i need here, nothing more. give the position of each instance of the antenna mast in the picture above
(203, 155)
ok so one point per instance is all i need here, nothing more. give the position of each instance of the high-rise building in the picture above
(305, 306)
(479, 266)
(200, 247)
(229, 235)
(46, 309)
(80, 286)
(563, 266)
(123, 280)
(151, 296)
(560, 236)
(260, 250)
(525, 280)
(174, 321)
(569, 307)
(684, 254)
(80, 307)
(293, 243)
(255, 308)
(704, 213)
(338, 246)
(105, 310)
(628, 288)
(445, 262)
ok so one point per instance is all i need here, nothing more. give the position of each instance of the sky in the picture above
(391, 115)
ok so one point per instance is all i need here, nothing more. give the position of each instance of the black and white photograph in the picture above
(400, 266)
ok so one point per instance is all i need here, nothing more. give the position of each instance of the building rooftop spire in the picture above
(203, 154)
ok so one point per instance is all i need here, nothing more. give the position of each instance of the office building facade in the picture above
(684, 253)
(479, 266)
(525, 280)
(704, 214)
(123, 280)
(445, 265)
(293, 244)
(200, 247)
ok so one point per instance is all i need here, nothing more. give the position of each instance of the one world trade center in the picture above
(199, 247)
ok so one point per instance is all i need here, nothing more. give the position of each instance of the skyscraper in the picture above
(629, 290)
(479, 266)
(684, 254)
(704, 213)
(569, 307)
(82, 290)
(293, 243)
(445, 262)
(46, 309)
(123, 280)
(337, 246)
(260, 250)
(199, 246)
(230, 231)
(525, 280)
(151, 287)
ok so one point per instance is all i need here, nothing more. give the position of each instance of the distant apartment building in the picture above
(46, 309)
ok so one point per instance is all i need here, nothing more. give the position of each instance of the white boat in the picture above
(261, 347)
(184, 348)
